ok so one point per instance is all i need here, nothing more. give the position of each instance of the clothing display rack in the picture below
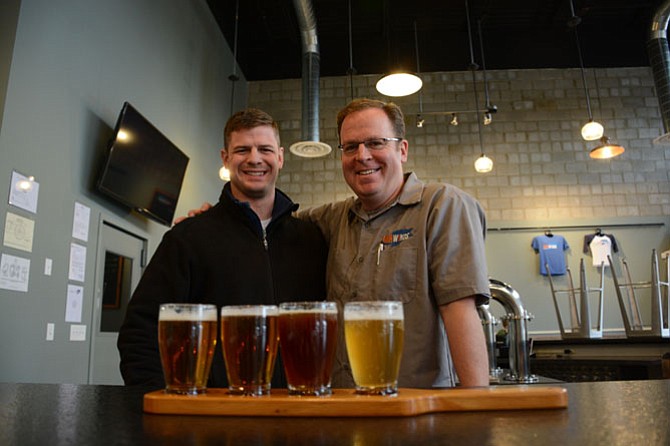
(580, 316)
(551, 227)
(629, 304)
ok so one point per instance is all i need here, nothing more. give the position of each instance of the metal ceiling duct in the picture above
(310, 146)
(659, 59)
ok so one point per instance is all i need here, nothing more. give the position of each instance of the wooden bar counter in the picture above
(607, 413)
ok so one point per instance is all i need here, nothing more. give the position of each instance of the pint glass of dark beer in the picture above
(250, 341)
(373, 334)
(186, 341)
(308, 337)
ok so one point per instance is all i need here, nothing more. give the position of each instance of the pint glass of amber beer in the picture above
(186, 341)
(308, 337)
(373, 333)
(250, 341)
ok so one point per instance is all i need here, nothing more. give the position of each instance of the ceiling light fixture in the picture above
(399, 83)
(420, 121)
(483, 164)
(487, 111)
(592, 130)
(224, 173)
(606, 150)
(488, 118)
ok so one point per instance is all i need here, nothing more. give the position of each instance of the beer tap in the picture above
(519, 358)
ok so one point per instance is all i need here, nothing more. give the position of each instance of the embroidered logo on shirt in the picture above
(397, 237)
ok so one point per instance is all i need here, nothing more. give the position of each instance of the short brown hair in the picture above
(392, 111)
(248, 119)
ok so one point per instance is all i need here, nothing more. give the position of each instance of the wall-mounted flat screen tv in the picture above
(143, 170)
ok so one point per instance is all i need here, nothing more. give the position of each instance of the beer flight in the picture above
(306, 333)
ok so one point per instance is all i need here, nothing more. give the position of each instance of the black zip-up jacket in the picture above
(222, 257)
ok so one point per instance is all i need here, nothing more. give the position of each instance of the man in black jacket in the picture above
(248, 250)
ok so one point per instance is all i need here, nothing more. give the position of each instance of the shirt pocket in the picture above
(396, 275)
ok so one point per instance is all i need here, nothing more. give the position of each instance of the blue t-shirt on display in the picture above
(550, 248)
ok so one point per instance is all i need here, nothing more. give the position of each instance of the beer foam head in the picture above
(387, 311)
(187, 312)
(308, 311)
(249, 310)
(308, 307)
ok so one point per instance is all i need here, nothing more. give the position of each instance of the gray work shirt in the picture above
(426, 249)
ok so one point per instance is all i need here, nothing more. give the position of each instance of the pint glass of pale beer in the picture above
(186, 341)
(308, 337)
(373, 333)
(250, 341)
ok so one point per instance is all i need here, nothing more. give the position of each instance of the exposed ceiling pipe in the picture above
(310, 146)
(659, 59)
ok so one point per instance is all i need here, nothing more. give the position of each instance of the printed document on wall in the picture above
(19, 232)
(80, 222)
(77, 269)
(75, 300)
(23, 192)
(14, 273)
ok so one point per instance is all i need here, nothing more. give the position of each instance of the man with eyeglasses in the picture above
(402, 239)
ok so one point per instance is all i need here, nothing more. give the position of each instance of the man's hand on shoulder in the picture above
(193, 212)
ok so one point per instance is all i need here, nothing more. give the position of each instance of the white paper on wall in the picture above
(80, 221)
(14, 273)
(77, 269)
(23, 192)
(75, 300)
(19, 232)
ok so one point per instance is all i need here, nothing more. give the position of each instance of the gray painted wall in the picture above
(74, 63)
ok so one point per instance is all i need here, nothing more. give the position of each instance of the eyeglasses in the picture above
(372, 144)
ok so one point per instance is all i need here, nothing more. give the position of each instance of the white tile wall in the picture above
(542, 171)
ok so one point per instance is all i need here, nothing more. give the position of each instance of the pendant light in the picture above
(490, 108)
(483, 164)
(398, 84)
(592, 130)
(419, 117)
(606, 150)
(224, 173)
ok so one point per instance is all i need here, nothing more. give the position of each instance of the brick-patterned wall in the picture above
(542, 170)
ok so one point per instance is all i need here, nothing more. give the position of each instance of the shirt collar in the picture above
(282, 205)
(410, 194)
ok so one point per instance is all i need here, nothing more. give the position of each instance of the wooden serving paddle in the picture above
(345, 403)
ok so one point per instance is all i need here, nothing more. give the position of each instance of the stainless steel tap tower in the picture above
(517, 316)
(488, 324)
